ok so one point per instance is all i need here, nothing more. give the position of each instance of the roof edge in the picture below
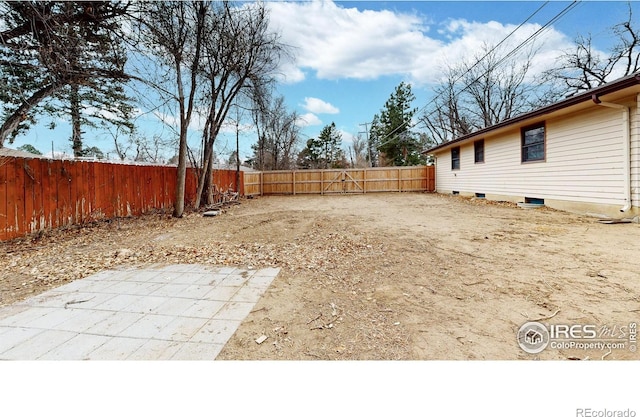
(611, 87)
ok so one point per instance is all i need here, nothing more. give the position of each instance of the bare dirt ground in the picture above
(386, 276)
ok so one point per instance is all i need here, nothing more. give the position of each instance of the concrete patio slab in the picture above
(175, 312)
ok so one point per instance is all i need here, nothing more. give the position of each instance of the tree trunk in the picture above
(237, 158)
(76, 134)
(178, 206)
(204, 181)
(20, 114)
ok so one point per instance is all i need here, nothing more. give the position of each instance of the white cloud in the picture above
(290, 73)
(347, 138)
(309, 119)
(98, 112)
(316, 105)
(197, 123)
(338, 42)
(467, 39)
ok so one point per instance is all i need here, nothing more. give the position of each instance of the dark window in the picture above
(532, 200)
(455, 158)
(478, 150)
(533, 143)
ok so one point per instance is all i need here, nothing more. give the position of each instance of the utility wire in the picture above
(544, 28)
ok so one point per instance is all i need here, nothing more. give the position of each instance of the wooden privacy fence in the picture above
(40, 194)
(333, 181)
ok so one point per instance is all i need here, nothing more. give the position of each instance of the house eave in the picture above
(582, 98)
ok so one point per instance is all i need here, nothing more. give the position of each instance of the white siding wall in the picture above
(635, 155)
(584, 154)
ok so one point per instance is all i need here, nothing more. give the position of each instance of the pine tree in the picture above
(391, 130)
(325, 151)
(61, 52)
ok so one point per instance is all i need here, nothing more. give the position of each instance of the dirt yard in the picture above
(386, 276)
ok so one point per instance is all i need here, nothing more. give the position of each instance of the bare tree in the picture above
(446, 119)
(173, 32)
(584, 68)
(478, 94)
(279, 134)
(241, 56)
(358, 152)
(46, 47)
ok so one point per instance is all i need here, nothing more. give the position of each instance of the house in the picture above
(533, 337)
(581, 154)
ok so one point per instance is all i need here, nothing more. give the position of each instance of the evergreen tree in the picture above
(69, 52)
(391, 130)
(325, 151)
(29, 148)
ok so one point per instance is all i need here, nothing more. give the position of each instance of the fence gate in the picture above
(340, 181)
(343, 182)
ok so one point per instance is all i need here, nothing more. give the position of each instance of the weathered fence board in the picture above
(39, 194)
(332, 181)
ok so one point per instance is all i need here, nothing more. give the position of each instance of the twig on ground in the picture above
(474, 283)
(548, 317)
(312, 320)
(68, 303)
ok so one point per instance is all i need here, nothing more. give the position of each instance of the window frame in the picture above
(475, 151)
(455, 166)
(524, 147)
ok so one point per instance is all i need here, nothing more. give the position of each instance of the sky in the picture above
(350, 56)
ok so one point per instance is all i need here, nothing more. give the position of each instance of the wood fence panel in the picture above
(49, 195)
(277, 182)
(29, 195)
(145, 191)
(158, 186)
(308, 182)
(12, 189)
(39, 194)
(332, 181)
(3, 197)
(91, 192)
(101, 194)
(65, 203)
(33, 195)
(115, 187)
(168, 185)
(75, 191)
(19, 196)
(252, 181)
(382, 180)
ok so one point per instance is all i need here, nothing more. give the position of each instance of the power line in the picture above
(545, 27)
(537, 33)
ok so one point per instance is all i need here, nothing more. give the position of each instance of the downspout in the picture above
(626, 134)
(435, 174)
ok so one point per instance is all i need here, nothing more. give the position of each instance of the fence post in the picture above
(366, 180)
(428, 179)
(293, 174)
